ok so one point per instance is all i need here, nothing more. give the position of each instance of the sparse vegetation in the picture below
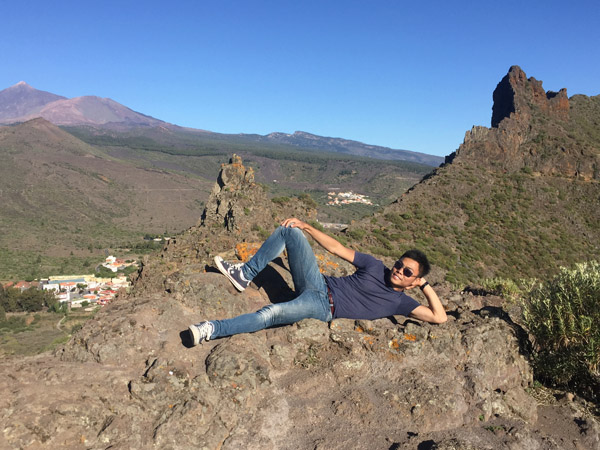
(563, 315)
(24, 334)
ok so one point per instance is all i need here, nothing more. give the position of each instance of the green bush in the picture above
(317, 225)
(280, 200)
(501, 286)
(356, 234)
(308, 200)
(563, 315)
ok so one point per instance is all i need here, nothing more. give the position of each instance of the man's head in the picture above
(408, 270)
(421, 259)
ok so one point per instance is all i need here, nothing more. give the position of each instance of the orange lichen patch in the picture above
(325, 263)
(394, 344)
(369, 340)
(359, 329)
(246, 250)
(410, 337)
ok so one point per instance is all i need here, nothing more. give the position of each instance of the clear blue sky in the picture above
(407, 75)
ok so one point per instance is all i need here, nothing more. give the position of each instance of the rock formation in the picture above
(516, 94)
(128, 378)
(531, 129)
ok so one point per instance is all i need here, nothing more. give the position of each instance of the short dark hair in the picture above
(418, 256)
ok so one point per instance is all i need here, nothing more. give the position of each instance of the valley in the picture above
(67, 200)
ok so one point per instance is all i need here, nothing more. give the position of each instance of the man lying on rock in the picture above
(372, 292)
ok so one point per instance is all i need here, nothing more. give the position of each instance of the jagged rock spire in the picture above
(517, 94)
(531, 129)
(234, 196)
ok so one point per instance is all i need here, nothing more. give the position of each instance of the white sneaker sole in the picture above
(193, 329)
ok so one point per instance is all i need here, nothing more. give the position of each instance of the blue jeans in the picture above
(312, 300)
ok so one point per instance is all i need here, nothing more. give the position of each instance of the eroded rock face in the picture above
(235, 198)
(516, 94)
(531, 130)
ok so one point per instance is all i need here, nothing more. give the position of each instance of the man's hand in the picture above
(324, 240)
(294, 223)
(418, 282)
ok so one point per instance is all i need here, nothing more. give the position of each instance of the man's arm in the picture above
(324, 240)
(433, 313)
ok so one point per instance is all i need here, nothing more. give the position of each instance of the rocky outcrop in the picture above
(233, 198)
(516, 94)
(532, 130)
(129, 379)
(238, 211)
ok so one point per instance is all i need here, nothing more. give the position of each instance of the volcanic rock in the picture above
(531, 130)
(129, 378)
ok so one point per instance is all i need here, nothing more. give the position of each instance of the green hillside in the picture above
(517, 201)
(66, 201)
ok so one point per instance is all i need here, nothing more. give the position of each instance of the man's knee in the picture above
(269, 314)
(293, 233)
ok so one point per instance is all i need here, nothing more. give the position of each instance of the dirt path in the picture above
(59, 322)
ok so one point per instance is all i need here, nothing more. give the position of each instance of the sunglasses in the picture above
(406, 271)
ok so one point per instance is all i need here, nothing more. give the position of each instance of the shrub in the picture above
(280, 200)
(357, 234)
(563, 315)
(501, 286)
(308, 200)
(316, 225)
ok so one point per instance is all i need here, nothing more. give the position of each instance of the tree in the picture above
(31, 300)
(8, 299)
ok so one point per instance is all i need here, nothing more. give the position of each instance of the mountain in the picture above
(516, 200)
(338, 145)
(395, 383)
(21, 102)
(103, 116)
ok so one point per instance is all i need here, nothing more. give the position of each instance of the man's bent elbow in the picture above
(439, 320)
(440, 317)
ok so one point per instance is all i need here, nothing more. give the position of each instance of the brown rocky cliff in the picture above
(531, 130)
(516, 94)
(237, 211)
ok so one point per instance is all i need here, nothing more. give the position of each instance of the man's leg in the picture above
(303, 264)
(312, 303)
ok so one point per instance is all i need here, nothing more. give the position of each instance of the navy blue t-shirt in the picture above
(365, 294)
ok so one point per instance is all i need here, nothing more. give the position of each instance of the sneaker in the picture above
(201, 332)
(233, 272)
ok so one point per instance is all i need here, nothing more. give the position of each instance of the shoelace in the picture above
(237, 266)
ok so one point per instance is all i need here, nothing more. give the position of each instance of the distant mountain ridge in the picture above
(339, 145)
(21, 102)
